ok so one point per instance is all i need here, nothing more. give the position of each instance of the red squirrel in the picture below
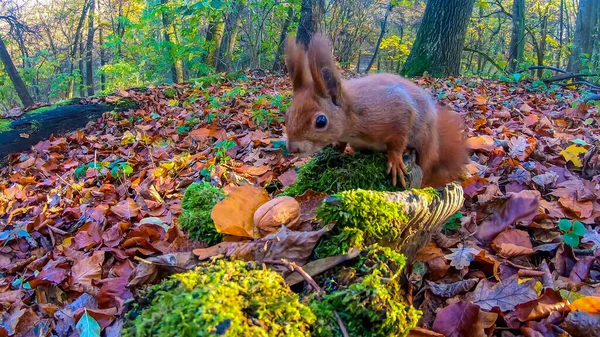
(381, 112)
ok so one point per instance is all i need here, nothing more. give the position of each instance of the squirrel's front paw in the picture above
(396, 167)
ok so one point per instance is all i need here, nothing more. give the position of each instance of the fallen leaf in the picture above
(87, 270)
(462, 256)
(522, 206)
(571, 154)
(474, 185)
(592, 236)
(288, 178)
(449, 290)
(542, 307)
(580, 209)
(589, 304)
(126, 209)
(319, 266)
(463, 319)
(309, 202)
(234, 215)
(484, 142)
(581, 323)
(512, 242)
(87, 326)
(506, 294)
(581, 270)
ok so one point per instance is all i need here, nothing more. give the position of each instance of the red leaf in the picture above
(87, 270)
(513, 242)
(463, 319)
(126, 209)
(542, 307)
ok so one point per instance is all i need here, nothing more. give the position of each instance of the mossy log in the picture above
(40, 124)
(421, 214)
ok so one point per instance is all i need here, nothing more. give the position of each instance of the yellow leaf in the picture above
(234, 215)
(589, 304)
(66, 242)
(128, 138)
(480, 100)
(572, 153)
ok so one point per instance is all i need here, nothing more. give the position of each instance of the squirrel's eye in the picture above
(321, 122)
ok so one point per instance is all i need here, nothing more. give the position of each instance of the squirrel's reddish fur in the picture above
(376, 112)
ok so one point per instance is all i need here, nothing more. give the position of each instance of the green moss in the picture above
(53, 106)
(170, 92)
(331, 171)
(220, 299)
(362, 218)
(5, 124)
(373, 305)
(197, 203)
(428, 192)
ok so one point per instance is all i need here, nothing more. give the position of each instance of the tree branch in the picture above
(487, 57)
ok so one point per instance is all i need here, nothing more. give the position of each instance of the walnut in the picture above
(281, 211)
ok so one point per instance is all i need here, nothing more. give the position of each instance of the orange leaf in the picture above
(234, 215)
(480, 100)
(126, 209)
(589, 304)
(485, 143)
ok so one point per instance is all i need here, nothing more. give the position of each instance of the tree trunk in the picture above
(223, 61)
(311, 13)
(102, 60)
(89, 75)
(381, 35)
(214, 38)
(440, 39)
(15, 78)
(560, 33)
(583, 37)
(278, 62)
(517, 39)
(76, 45)
(542, 49)
(81, 70)
(169, 32)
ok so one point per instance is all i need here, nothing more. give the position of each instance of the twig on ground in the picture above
(293, 267)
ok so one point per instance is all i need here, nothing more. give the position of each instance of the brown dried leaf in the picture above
(126, 209)
(234, 215)
(462, 256)
(542, 307)
(512, 242)
(452, 289)
(87, 270)
(506, 295)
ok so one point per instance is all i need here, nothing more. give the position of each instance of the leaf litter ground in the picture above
(79, 213)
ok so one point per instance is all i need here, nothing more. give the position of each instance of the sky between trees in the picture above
(58, 49)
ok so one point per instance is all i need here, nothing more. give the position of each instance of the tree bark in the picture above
(587, 18)
(89, 75)
(381, 35)
(76, 45)
(214, 38)
(102, 59)
(169, 33)
(81, 70)
(278, 62)
(223, 61)
(311, 14)
(440, 39)
(15, 78)
(517, 40)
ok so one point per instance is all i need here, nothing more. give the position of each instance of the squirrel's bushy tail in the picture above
(453, 153)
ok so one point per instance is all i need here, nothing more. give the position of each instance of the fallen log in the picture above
(39, 124)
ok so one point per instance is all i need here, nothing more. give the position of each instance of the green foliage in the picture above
(5, 124)
(224, 298)
(331, 171)
(373, 305)
(453, 222)
(362, 218)
(221, 149)
(197, 203)
(573, 231)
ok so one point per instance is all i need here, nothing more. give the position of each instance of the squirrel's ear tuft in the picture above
(295, 62)
(325, 76)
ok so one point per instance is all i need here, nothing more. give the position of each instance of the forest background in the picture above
(58, 49)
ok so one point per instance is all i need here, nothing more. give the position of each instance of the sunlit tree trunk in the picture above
(223, 61)
(214, 36)
(440, 39)
(76, 45)
(14, 76)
